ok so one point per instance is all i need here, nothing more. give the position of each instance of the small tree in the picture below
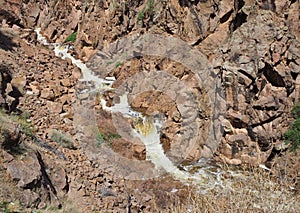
(292, 136)
(71, 37)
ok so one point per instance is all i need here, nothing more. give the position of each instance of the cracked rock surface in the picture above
(251, 46)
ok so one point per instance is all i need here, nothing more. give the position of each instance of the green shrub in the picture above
(4, 207)
(105, 138)
(62, 139)
(27, 128)
(100, 139)
(141, 15)
(118, 63)
(150, 7)
(296, 111)
(292, 136)
(23, 120)
(71, 38)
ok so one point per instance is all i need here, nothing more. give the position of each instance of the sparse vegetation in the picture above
(149, 8)
(25, 115)
(4, 207)
(14, 129)
(25, 123)
(296, 111)
(105, 138)
(71, 37)
(9, 206)
(100, 139)
(141, 15)
(61, 139)
(292, 136)
(254, 190)
(150, 5)
(112, 136)
(52, 208)
(23, 120)
(118, 64)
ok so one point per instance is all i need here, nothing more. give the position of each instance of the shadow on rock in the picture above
(6, 42)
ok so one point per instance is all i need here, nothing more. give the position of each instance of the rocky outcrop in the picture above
(259, 79)
(37, 171)
(37, 181)
(253, 46)
(10, 134)
(255, 54)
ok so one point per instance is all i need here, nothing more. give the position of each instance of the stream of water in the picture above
(148, 131)
(204, 176)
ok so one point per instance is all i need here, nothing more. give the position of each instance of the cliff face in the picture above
(252, 45)
(249, 53)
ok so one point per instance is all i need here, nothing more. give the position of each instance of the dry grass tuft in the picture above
(252, 190)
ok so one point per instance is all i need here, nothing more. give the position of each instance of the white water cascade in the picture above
(206, 175)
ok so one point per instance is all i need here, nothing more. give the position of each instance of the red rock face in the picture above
(253, 46)
(154, 102)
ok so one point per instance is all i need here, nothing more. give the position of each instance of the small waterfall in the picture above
(147, 130)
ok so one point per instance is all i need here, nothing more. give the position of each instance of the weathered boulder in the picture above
(27, 172)
(10, 134)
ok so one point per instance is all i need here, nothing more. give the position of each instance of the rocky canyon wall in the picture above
(251, 46)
